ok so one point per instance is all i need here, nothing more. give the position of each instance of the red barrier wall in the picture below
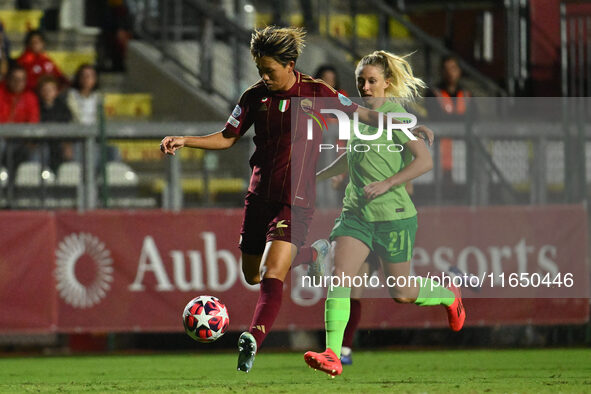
(134, 271)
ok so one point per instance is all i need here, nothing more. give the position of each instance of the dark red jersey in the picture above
(284, 161)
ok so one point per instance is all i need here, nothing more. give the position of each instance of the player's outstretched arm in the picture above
(335, 168)
(215, 141)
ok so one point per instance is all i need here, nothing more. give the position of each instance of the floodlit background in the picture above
(103, 239)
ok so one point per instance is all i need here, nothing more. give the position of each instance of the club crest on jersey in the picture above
(283, 105)
(306, 105)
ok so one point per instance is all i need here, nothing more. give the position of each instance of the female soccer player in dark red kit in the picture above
(277, 214)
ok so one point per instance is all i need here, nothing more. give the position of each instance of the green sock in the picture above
(336, 316)
(432, 294)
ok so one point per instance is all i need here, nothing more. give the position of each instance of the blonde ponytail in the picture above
(403, 84)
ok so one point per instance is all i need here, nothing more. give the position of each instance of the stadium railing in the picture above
(492, 164)
(122, 168)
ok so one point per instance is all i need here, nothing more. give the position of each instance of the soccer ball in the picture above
(205, 319)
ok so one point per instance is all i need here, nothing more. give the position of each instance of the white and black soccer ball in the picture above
(205, 318)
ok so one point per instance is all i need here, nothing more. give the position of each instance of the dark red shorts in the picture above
(266, 221)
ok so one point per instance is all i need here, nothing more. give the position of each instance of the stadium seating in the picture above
(121, 174)
(215, 185)
(69, 174)
(341, 25)
(27, 175)
(69, 61)
(130, 105)
(3, 177)
(20, 21)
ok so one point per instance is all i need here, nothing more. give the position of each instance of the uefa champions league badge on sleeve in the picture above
(233, 121)
(237, 111)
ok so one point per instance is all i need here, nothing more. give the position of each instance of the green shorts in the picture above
(393, 241)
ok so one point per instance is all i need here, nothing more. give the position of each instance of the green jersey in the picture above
(373, 161)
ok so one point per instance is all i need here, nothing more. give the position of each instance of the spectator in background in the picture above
(54, 109)
(52, 106)
(37, 63)
(451, 102)
(329, 75)
(83, 100)
(83, 97)
(4, 52)
(17, 103)
(451, 95)
(116, 26)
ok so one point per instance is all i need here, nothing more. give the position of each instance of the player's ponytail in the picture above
(403, 84)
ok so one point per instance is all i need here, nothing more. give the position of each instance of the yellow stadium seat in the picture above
(19, 21)
(147, 151)
(216, 185)
(397, 30)
(341, 25)
(137, 105)
(69, 61)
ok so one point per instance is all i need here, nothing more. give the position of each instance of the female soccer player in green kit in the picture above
(378, 214)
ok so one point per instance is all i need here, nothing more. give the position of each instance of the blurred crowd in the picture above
(34, 89)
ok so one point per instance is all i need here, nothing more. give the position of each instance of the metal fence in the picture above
(575, 48)
(488, 163)
(122, 169)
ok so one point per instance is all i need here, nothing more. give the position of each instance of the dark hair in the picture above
(283, 44)
(14, 68)
(327, 67)
(45, 80)
(447, 58)
(76, 80)
(32, 34)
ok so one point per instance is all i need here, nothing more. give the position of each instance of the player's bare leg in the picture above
(424, 292)
(349, 255)
(251, 268)
(274, 266)
(276, 259)
(402, 295)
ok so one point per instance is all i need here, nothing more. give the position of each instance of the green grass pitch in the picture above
(552, 370)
